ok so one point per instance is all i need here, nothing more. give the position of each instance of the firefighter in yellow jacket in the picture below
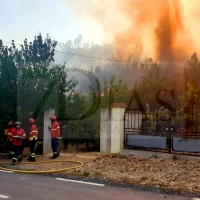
(55, 134)
(8, 132)
(32, 139)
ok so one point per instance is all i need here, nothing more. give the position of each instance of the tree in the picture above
(192, 106)
(39, 53)
(29, 83)
(9, 56)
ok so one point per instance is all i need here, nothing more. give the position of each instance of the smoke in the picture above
(138, 39)
(160, 29)
(170, 27)
(158, 26)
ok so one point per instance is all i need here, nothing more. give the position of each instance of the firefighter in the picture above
(32, 139)
(55, 134)
(8, 132)
(17, 136)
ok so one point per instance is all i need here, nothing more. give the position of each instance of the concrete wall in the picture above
(112, 128)
(46, 135)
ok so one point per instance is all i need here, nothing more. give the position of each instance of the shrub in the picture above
(155, 156)
(175, 157)
(98, 174)
(122, 156)
(86, 173)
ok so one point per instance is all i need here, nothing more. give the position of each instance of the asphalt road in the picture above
(26, 186)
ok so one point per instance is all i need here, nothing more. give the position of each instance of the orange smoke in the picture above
(161, 29)
(160, 23)
(170, 25)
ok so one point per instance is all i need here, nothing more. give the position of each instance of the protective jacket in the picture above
(8, 132)
(17, 137)
(55, 129)
(33, 132)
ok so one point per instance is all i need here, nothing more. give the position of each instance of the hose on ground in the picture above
(42, 171)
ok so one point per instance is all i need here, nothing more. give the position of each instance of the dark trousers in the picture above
(24, 144)
(32, 148)
(54, 145)
(17, 151)
(10, 148)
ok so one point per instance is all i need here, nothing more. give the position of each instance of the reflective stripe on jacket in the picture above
(8, 132)
(55, 129)
(16, 133)
(33, 132)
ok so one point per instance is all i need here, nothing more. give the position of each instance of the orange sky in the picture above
(166, 30)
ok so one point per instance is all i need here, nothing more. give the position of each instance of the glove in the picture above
(19, 137)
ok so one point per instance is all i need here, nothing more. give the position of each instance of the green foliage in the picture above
(98, 174)
(155, 156)
(153, 87)
(84, 112)
(81, 130)
(192, 106)
(175, 157)
(163, 117)
(39, 53)
(86, 173)
(29, 84)
(144, 178)
(122, 156)
(115, 92)
(8, 83)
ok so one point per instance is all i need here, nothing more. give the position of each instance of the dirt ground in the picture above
(174, 173)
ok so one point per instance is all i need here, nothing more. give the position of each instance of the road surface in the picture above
(33, 187)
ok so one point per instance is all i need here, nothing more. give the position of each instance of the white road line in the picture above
(6, 171)
(4, 196)
(196, 198)
(89, 183)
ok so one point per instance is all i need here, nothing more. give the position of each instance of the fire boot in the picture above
(54, 156)
(58, 154)
(20, 159)
(13, 162)
(11, 154)
(32, 159)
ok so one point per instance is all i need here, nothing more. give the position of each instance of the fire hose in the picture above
(41, 171)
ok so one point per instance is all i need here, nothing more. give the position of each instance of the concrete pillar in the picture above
(112, 128)
(105, 133)
(46, 135)
(117, 126)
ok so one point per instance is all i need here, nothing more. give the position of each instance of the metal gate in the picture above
(145, 130)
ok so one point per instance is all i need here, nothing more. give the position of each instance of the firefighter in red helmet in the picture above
(32, 139)
(17, 136)
(8, 132)
(55, 134)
